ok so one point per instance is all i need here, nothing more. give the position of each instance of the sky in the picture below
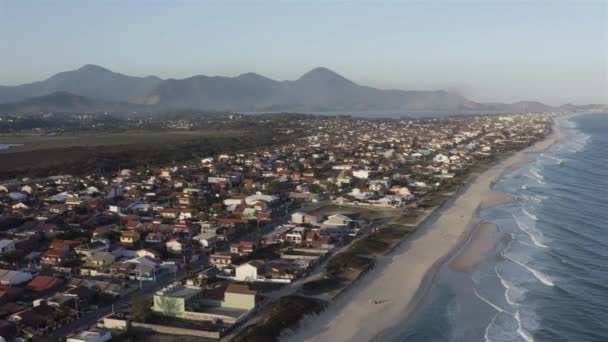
(550, 51)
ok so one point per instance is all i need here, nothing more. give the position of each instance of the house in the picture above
(97, 264)
(338, 220)
(88, 249)
(170, 213)
(17, 196)
(129, 237)
(220, 260)
(171, 301)
(42, 283)
(250, 271)
(239, 296)
(58, 209)
(149, 253)
(20, 206)
(242, 248)
(184, 199)
(390, 201)
(55, 257)
(206, 238)
(301, 218)
(361, 174)
(175, 246)
(441, 159)
(155, 238)
(226, 303)
(35, 322)
(185, 214)
(296, 235)
(137, 268)
(74, 202)
(9, 277)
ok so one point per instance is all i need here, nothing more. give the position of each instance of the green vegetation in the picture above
(140, 308)
(409, 218)
(286, 313)
(436, 200)
(393, 232)
(369, 245)
(347, 261)
(324, 285)
(81, 156)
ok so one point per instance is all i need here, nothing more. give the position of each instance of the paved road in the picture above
(148, 289)
(165, 279)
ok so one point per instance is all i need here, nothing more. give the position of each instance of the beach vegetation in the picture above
(327, 283)
(348, 261)
(286, 313)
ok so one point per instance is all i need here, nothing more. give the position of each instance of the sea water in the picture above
(548, 277)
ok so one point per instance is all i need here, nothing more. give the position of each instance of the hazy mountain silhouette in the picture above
(65, 102)
(90, 80)
(316, 91)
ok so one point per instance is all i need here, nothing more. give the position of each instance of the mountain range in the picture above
(93, 88)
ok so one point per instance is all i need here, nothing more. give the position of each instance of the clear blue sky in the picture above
(553, 51)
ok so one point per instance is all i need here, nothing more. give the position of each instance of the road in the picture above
(165, 279)
(292, 288)
(148, 289)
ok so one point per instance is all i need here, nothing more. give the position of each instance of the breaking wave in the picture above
(537, 274)
(526, 229)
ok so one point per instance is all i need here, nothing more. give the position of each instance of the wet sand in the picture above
(400, 280)
(482, 242)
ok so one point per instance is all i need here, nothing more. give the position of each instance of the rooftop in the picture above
(179, 291)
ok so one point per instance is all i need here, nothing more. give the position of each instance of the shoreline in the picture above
(402, 279)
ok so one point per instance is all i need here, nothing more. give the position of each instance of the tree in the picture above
(274, 187)
(140, 308)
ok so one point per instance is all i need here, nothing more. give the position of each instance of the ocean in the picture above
(548, 277)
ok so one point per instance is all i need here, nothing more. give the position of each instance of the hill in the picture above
(93, 88)
(64, 102)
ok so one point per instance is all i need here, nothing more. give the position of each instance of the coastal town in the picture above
(234, 245)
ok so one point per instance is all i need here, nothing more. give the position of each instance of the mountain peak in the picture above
(321, 71)
(251, 76)
(322, 74)
(93, 67)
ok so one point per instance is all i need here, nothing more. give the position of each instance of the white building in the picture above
(249, 271)
(206, 238)
(441, 158)
(296, 235)
(361, 174)
(174, 246)
(338, 220)
(300, 218)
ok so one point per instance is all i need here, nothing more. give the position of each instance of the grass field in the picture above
(82, 153)
(31, 142)
(363, 212)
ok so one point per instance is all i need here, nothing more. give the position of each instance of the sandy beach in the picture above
(399, 280)
(482, 242)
